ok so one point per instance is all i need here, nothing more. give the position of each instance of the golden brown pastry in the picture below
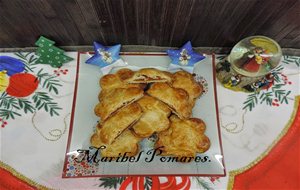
(112, 100)
(117, 80)
(186, 81)
(126, 142)
(149, 75)
(127, 115)
(177, 99)
(154, 118)
(116, 124)
(124, 74)
(183, 138)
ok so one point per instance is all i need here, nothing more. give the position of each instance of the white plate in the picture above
(83, 123)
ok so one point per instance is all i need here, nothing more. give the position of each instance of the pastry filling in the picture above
(147, 78)
(128, 127)
(123, 105)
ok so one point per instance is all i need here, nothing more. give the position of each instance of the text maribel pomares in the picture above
(93, 155)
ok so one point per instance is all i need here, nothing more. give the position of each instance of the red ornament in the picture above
(22, 85)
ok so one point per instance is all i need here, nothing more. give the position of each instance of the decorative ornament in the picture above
(22, 85)
(103, 55)
(11, 65)
(3, 81)
(106, 57)
(49, 54)
(185, 56)
(255, 56)
(251, 65)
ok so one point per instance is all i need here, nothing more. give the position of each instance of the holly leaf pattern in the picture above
(29, 59)
(251, 101)
(26, 105)
(8, 114)
(291, 60)
(275, 94)
(266, 97)
(12, 107)
(281, 95)
(48, 81)
(270, 98)
(42, 100)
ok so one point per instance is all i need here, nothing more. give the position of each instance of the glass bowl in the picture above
(255, 56)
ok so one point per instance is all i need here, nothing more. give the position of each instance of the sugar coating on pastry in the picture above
(114, 99)
(176, 98)
(154, 118)
(149, 75)
(184, 138)
(127, 143)
(116, 124)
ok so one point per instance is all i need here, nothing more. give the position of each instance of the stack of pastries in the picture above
(134, 105)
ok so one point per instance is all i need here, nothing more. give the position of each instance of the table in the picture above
(259, 135)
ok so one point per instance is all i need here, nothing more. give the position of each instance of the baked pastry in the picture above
(127, 115)
(149, 75)
(186, 81)
(112, 100)
(184, 138)
(176, 98)
(154, 118)
(127, 143)
(117, 80)
(116, 124)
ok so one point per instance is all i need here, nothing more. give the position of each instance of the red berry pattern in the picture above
(4, 123)
(213, 179)
(275, 103)
(60, 71)
(286, 80)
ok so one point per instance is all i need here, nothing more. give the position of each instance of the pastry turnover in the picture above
(183, 138)
(154, 118)
(116, 124)
(186, 81)
(117, 80)
(127, 143)
(127, 115)
(176, 98)
(112, 100)
(149, 75)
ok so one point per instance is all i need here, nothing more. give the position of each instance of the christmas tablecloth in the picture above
(260, 132)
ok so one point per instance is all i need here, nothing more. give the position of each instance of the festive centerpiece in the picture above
(250, 64)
